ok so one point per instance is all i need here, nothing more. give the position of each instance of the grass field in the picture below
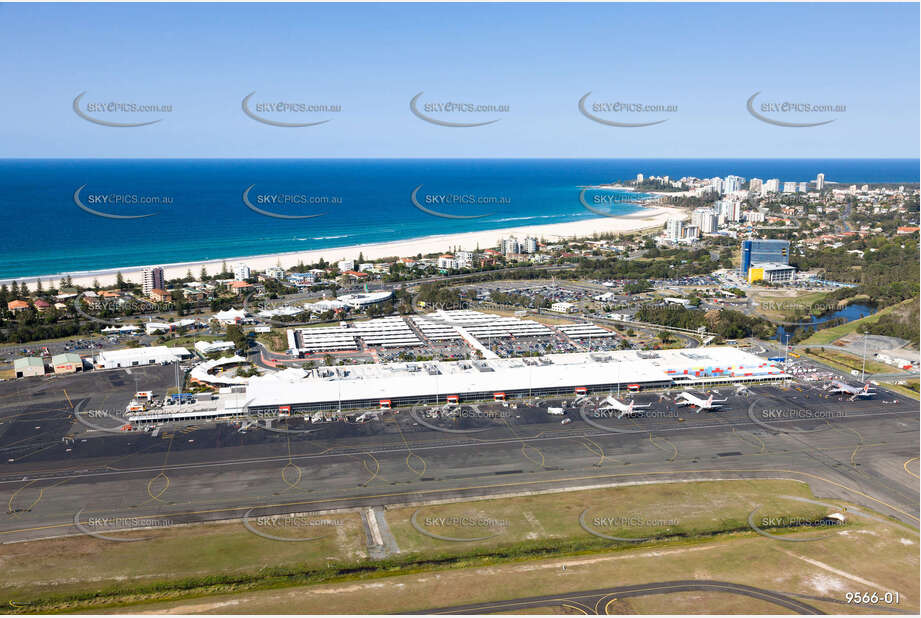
(666, 510)
(850, 361)
(83, 563)
(776, 306)
(213, 559)
(879, 556)
(830, 335)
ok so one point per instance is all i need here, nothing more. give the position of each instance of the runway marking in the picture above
(591, 445)
(410, 456)
(524, 446)
(290, 464)
(762, 444)
(68, 398)
(905, 465)
(162, 491)
(674, 448)
(162, 473)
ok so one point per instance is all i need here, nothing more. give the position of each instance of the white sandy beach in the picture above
(645, 219)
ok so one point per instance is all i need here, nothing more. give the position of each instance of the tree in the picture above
(119, 280)
(235, 334)
(204, 274)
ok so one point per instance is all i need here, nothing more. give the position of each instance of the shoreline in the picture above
(644, 219)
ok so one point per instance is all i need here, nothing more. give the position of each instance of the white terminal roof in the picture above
(585, 330)
(387, 332)
(385, 381)
(486, 325)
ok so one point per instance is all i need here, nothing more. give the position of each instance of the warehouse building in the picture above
(133, 357)
(69, 362)
(28, 367)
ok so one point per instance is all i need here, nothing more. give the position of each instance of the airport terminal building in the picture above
(386, 386)
(405, 384)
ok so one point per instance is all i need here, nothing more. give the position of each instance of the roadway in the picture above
(599, 602)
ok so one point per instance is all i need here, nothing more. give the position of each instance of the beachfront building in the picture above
(241, 272)
(820, 182)
(771, 186)
(15, 306)
(674, 229)
(705, 219)
(152, 279)
(275, 272)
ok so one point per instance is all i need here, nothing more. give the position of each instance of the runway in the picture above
(597, 602)
(868, 456)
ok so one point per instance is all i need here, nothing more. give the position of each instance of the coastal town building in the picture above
(152, 278)
(241, 272)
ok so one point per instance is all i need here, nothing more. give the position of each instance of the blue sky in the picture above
(539, 59)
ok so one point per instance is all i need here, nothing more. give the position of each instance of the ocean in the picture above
(58, 213)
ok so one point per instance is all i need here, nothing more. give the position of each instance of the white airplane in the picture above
(687, 399)
(847, 389)
(625, 409)
(369, 416)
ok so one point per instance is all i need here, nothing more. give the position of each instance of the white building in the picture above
(153, 280)
(207, 347)
(275, 272)
(755, 185)
(464, 259)
(230, 316)
(241, 272)
(447, 262)
(563, 307)
(789, 187)
(674, 229)
(639, 178)
(820, 182)
(510, 246)
(705, 219)
(133, 357)
(771, 185)
(344, 265)
(802, 187)
(530, 245)
(731, 184)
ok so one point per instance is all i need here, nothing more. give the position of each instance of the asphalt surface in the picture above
(597, 602)
(865, 452)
